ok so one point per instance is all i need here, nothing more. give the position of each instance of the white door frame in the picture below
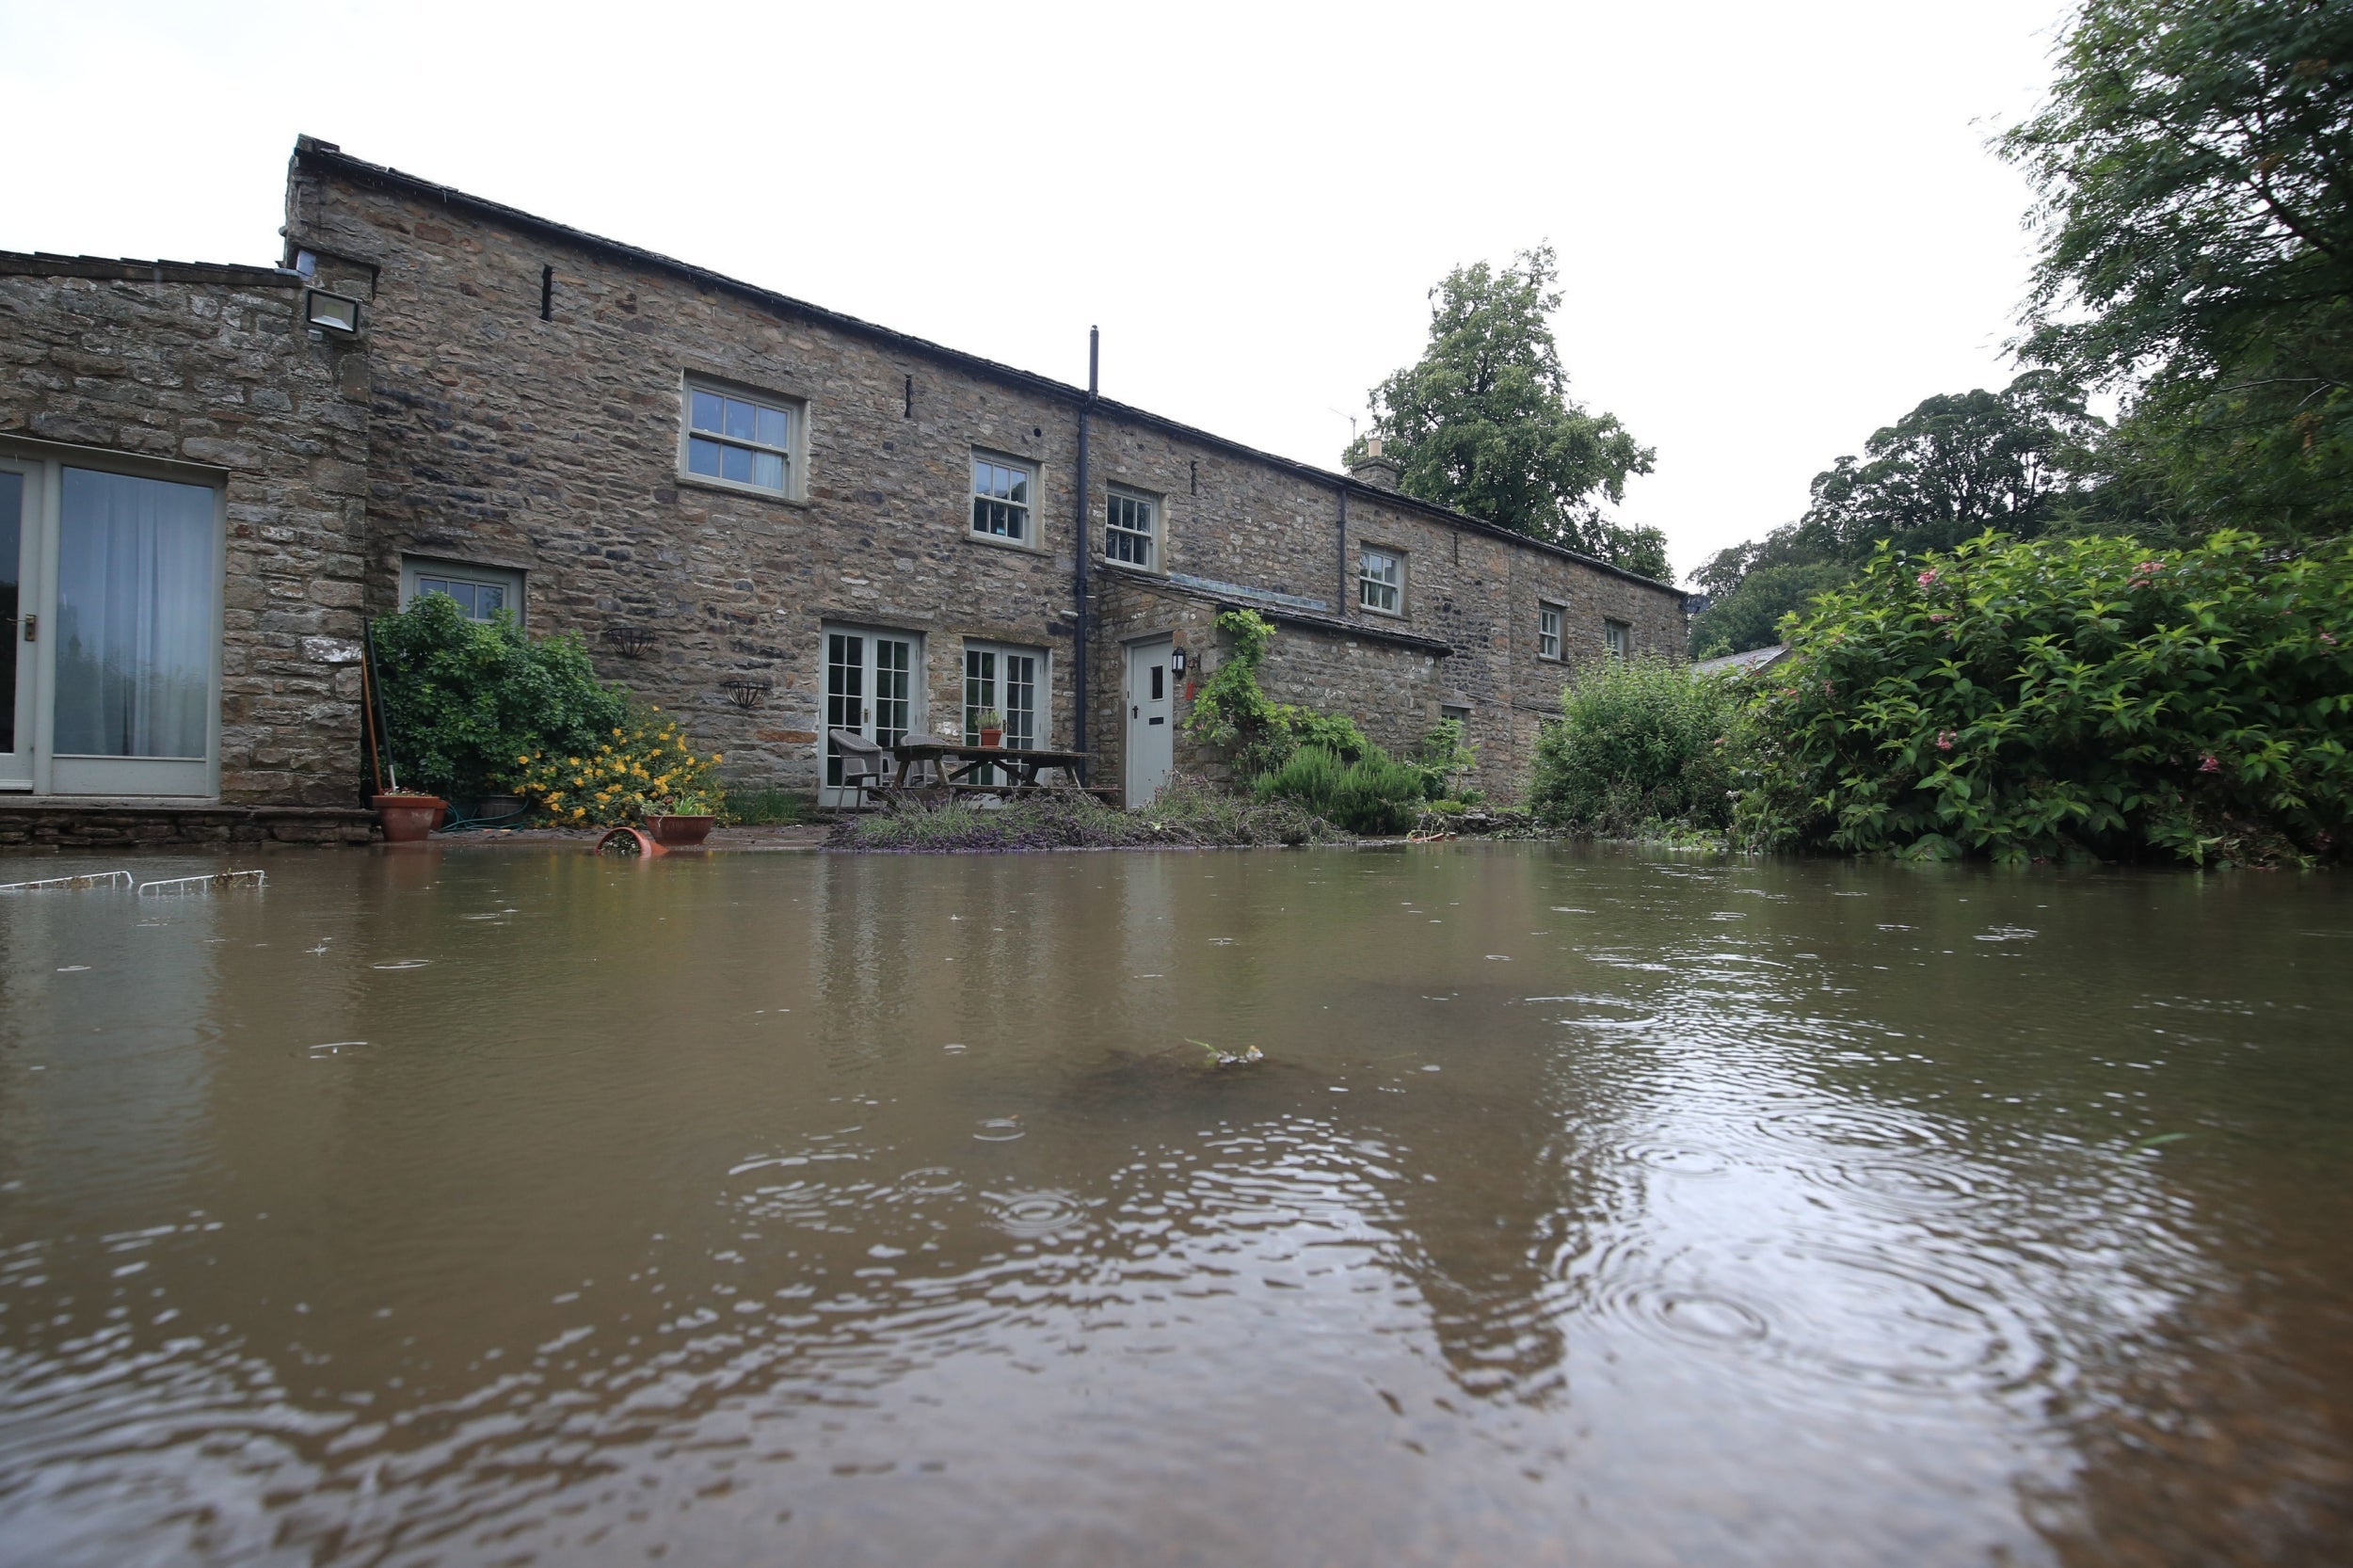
(1149, 755)
(17, 763)
(44, 463)
(867, 723)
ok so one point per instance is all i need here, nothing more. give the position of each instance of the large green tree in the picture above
(1484, 422)
(1952, 468)
(2194, 164)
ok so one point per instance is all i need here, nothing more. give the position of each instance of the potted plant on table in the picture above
(683, 818)
(991, 723)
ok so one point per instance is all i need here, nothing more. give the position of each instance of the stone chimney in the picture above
(1375, 469)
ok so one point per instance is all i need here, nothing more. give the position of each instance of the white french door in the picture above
(873, 686)
(110, 584)
(1009, 682)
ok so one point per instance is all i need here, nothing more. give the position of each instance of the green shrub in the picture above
(465, 699)
(1441, 756)
(766, 807)
(1374, 794)
(1638, 743)
(2066, 699)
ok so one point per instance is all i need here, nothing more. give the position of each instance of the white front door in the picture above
(872, 686)
(1151, 707)
(18, 576)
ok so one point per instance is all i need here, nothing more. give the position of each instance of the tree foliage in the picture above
(2065, 698)
(1484, 422)
(1952, 468)
(2194, 169)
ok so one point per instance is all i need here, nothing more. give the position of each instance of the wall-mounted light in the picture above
(331, 312)
(1176, 663)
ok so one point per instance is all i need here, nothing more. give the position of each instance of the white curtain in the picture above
(134, 614)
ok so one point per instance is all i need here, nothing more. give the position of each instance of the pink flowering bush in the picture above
(2065, 699)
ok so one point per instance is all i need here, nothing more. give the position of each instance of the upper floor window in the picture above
(1380, 581)
(1548, 631)
(1000, 498)
(1618, 637)
(738, 439)
(1132, 529)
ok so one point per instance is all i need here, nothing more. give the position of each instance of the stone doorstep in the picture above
(47, 822)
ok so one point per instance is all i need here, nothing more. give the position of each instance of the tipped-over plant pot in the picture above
(407, 819)
(677, 828)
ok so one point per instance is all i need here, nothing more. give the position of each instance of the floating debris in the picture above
(218, 881)
(1226, 1058)
(69, 884)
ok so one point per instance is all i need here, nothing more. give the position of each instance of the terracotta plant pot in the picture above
(992, 738)
(674, 828)
(629, 840)
(407, 819)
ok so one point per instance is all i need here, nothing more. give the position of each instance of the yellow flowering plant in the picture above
(643, 766)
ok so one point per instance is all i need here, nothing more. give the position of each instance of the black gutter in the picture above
(1079, 554)
(311, 153)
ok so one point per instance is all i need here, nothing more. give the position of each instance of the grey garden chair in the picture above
(866, 767)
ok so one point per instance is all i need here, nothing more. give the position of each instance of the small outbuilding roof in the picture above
(1741, 664)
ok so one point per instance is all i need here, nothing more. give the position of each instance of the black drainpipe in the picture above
(1340, 604)
(1079, 632)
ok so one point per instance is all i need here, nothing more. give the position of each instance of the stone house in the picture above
(768, 518)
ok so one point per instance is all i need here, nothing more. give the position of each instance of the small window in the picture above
(1618, 637)
(1130, 528)
(1000, 498)
(740, 439)
(1548, 631)
(1380, 581)
(483, 593)
(1458, 712)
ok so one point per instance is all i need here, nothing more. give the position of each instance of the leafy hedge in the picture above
(1185, 814)
(1640, 745)
(464, 699)
(2064, 699)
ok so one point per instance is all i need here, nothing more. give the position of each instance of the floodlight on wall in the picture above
(630, 642)
(331, 312)
(746, 694)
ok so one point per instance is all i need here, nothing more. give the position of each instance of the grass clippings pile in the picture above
(1188, 815)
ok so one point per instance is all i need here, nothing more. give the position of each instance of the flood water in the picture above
(518, 1207)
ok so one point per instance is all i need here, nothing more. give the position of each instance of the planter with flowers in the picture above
(684, 817)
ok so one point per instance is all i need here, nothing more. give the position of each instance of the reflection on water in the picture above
(507, 1206)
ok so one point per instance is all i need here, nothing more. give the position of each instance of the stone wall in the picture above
(551, 446)
(210, 366)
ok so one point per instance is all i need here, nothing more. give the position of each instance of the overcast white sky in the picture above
(1779, 227)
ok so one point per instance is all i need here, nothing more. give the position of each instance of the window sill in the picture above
(729, 486)
(998, 541)
(1118, 565)
(1550, 659)
(1384, 614)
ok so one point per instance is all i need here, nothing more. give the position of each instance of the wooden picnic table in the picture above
(961, 763)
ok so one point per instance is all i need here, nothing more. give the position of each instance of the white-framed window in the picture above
(1618, 637)
(1002, 490)
(733, 437)
(481, 592)
(1380, 580)
(1131, 528)
(1548, 631)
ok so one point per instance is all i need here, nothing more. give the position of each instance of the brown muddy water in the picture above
(517, 1206)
